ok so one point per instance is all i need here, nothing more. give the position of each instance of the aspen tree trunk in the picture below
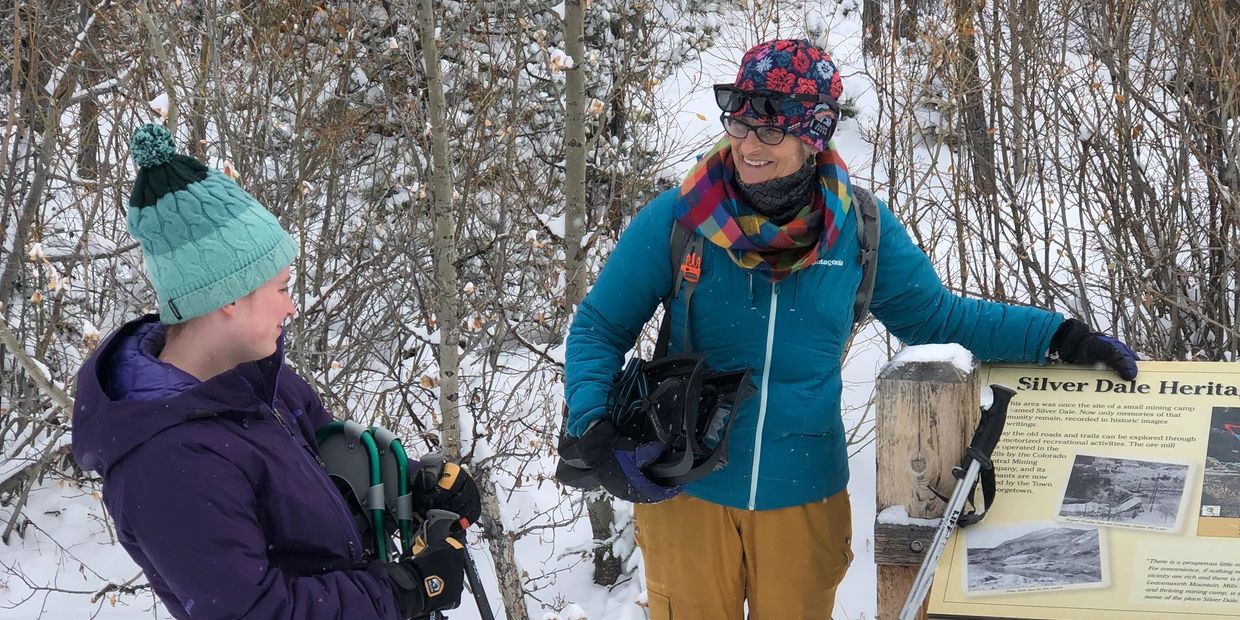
(87, 157)
(978, 138)
(198, 102)
(906, 15)
(1018, 24)
(163, 64)
(446, 311)
(44, 113)
(607, 568)
(502, 543)
(872, 28)
(574, 154)
(968, 76)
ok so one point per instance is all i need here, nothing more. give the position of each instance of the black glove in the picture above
(1075, 343)
(432, 578)
(617, 462)
(446, 486)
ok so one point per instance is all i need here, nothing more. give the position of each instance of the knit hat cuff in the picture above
(240, 279)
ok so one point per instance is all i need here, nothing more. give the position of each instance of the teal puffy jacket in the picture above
(788, 445)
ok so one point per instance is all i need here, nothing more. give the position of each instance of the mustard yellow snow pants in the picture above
(704, 560)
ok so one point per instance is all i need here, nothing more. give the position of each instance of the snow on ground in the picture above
(68, 552)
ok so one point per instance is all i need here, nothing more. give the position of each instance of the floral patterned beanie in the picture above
(794, 66)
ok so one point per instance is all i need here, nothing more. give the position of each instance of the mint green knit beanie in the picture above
(206, 242)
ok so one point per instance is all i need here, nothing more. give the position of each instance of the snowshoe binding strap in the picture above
(705, 442)
(676, 402)
(672, 410)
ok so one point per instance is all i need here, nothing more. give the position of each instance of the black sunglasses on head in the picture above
(764, 102)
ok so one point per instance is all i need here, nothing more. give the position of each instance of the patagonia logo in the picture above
(830, 262)
(434, 585)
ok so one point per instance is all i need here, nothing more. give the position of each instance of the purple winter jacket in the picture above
(216, 489)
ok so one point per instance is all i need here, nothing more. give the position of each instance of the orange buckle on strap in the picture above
(691, 269)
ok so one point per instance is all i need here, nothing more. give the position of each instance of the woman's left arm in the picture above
(636, 276)
(912, 302)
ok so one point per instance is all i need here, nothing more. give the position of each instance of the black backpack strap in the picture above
(685, 255)
(867, 236)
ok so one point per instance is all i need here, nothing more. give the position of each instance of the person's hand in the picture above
(1075, 343)
(440, 485)
(616, 461)
(432, 577)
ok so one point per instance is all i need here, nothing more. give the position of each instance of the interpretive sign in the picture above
(1116, 499)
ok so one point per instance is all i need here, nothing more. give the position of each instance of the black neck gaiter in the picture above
(781, 199)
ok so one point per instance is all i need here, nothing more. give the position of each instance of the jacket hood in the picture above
(107, 426)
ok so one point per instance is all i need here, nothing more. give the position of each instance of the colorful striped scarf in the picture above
(710, 204)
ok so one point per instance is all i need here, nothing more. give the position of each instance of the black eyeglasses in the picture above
(767, 134)
(764, 102)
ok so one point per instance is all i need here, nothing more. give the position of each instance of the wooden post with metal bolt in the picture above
(926, 413)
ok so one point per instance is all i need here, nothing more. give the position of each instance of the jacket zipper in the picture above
(353, 539)
(766, 372)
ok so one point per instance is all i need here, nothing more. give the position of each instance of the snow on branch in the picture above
(34, 369)
(101, 88)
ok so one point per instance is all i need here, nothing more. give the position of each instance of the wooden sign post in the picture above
(926, 413)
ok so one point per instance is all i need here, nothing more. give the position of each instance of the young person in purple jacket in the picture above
(205, 438)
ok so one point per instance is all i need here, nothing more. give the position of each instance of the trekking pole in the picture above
(976, 464)
(432, 467)
(475, 585)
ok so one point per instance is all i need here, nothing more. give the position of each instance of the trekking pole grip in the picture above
(990, 428)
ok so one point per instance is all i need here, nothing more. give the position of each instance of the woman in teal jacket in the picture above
(780, 273)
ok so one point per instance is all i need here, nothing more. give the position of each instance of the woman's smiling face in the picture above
(756, 161)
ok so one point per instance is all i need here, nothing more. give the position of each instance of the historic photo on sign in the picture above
(1220, 487)
(1123, 492)
(1033, 556)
